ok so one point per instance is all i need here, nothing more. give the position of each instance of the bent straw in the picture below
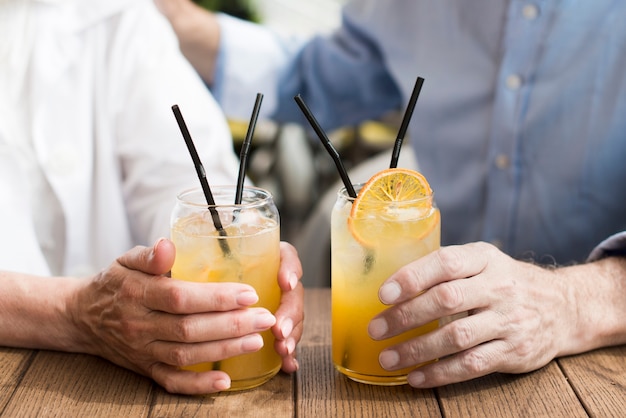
(245, 148)
(405, 122)
(327, 144)
(203, 180)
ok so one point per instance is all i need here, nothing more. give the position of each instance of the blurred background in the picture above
(305, 17)
(284, 159)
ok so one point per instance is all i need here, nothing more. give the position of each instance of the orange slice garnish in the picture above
(395, 203)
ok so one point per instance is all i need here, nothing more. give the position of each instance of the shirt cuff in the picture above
(613, 245)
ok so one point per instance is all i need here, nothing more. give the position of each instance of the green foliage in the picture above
(242, 9)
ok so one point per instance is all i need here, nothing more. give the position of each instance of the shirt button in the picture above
(530, 11)
(502, 162)
(513, 82)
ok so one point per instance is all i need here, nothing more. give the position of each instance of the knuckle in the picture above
(221, 300)
(490, 251)
(184, 329)
(451, 260)
(460, 335)
(178, 356)
(414, 353)
(403, 317)
(238, 326)
(485, 247)
(410, 277)
(524, 348)
(450, 296)
(129, 329)
(475, 363)
(175, 298)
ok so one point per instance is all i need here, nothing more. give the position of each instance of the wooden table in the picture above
(52, 384)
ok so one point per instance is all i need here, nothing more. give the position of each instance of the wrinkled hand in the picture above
(137, 317)
(517, 315)
(290, 313)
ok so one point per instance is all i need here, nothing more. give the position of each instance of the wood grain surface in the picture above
(52, 384)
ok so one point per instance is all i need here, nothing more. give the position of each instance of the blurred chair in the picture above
(313, 240)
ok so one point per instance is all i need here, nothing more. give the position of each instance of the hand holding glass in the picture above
(365, 252)
(252, 256)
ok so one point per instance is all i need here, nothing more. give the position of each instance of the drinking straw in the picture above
(405, 122)
(202, 176)
(327, 144)
(245, 148)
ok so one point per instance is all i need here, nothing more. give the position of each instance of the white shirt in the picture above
(91, 157)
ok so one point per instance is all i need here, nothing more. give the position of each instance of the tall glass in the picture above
(248, 253)
(358, 271)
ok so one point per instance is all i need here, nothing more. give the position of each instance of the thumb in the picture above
(155, 260)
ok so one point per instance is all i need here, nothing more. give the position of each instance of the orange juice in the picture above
(253, 257)
(362, 259)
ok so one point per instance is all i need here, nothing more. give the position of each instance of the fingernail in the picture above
(416, 379)
(377, 328)
(293, 280)
(156, 244)
(247, 297)
(252, 343)
(291, 345)
(388, 359)
(221, 384)
(264, 320)
(389, 292)
(286, 327)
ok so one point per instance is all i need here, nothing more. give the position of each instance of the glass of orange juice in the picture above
(390, 223)
(246, 251)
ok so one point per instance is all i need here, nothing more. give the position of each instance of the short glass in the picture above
(249, 253)
(358, 271)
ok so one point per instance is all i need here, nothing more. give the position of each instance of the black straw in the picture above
(405, 122)
(202, 176)
(327, 144)
(245, 148)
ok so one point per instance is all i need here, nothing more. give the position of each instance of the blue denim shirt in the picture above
(521, 123)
